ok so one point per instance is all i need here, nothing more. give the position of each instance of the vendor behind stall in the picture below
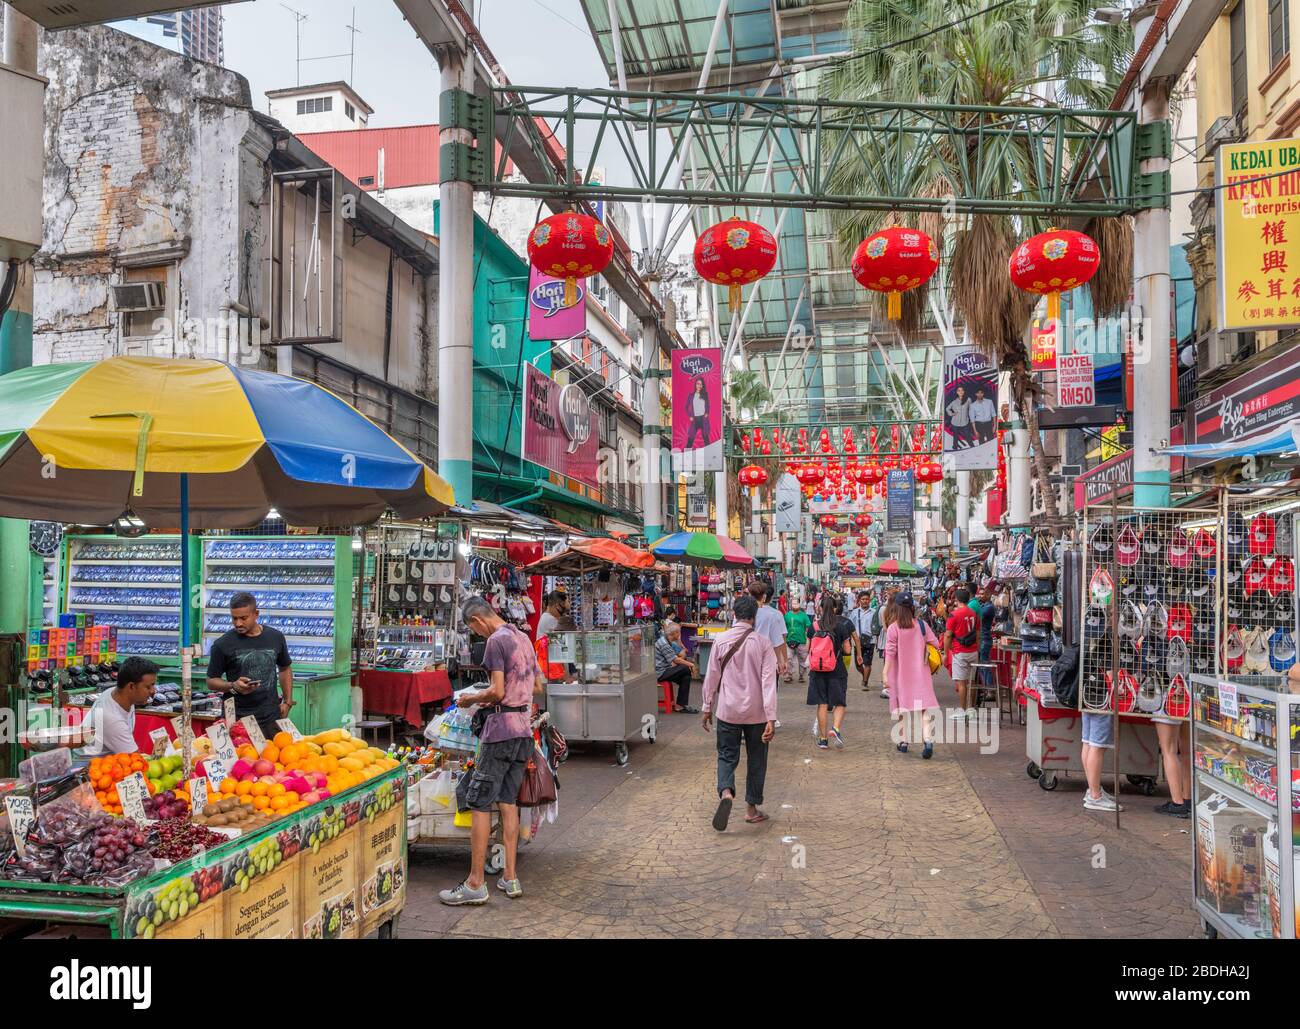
(556, 610)
(248, 660)
(113, 714)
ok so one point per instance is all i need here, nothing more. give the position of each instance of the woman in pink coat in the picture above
(911, 689)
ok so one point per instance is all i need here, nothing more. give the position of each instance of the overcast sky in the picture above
(395, 74)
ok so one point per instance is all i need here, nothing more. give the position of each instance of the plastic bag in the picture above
(44, 766)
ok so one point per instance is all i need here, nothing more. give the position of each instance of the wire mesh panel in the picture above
(1259, 616)
(1152, 603)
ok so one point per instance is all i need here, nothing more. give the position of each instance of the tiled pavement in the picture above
(862, 842)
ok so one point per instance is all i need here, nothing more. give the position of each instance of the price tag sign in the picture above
(229, 708)
(220, 737)
(255, 736)
(287, 725)
(217, 769)
(160, 741)
(198, 792)
(22, 813)
(131, 791)
(1228, 699)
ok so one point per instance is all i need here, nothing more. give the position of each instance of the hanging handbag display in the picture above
(1043, 567)
(1039, 616)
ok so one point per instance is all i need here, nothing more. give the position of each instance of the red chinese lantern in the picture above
(837, 541)
(893, 260)
(828, 521)
(929, 471)
(918, 436)
(870, 475)
(873, 434)
(570, 246)
(861, 541)
(810, 474)
(734, 253)
(766, 447)
(752, 475)
(860, 554)
(744, 444)
(1053, 262)
(862, 521)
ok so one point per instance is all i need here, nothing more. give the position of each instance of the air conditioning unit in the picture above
(1214, 350)
(1226, 129)
(140, 296)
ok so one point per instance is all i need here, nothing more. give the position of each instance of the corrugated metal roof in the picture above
(410, 154)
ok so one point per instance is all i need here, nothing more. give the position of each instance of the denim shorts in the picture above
(1098, 730)
(496, 777)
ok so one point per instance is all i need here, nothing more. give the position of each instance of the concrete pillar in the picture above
(653, 515)
(720, 503)
(1151, 400)
(1019, 471)
(22, 40)
(456, 306)
(963, 508)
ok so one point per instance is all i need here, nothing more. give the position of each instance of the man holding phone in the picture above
(252, 661)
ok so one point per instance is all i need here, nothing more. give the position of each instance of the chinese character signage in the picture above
(1043, 348)
(1258, 234)
(557, 428)
(697, 410)
(970, 421)
(1260, 399)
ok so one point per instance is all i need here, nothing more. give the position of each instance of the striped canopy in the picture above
(893, 566)
(83, 443)
(701, 548)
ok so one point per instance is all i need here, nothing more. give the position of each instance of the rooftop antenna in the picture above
(352, 51)
(298, 18)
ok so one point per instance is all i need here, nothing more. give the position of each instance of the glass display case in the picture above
(133, 585)
(1245, 796)
(609, 693)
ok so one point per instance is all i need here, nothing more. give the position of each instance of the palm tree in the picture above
(979, 52)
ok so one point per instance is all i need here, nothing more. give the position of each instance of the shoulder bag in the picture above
(1044, 567)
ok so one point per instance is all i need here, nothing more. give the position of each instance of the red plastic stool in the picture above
(666, 701)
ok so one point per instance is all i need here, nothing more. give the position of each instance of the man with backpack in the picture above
(740, 686)
(865, 619)
(961, 643)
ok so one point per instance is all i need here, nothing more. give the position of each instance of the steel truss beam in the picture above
(1082, 162)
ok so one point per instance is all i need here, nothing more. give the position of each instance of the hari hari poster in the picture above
(557, 428)
(970, 419)
(697, 410)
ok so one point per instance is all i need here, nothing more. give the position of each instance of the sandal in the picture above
(688, 710)
(755, 819)
(721, 816)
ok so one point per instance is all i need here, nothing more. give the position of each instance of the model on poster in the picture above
(969, 409)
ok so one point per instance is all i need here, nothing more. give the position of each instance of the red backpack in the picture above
(821, 651)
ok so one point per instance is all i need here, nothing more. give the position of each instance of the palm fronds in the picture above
(1111, 285)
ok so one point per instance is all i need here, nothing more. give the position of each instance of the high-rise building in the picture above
(198, 31)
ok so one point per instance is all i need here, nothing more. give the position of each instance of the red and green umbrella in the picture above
(893, 566)
(702, 549)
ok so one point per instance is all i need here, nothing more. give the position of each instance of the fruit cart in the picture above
(334, 870)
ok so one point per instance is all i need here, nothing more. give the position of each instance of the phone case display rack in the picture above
(409, 608)
(1246, 806)
(133, 585)
(303, 587)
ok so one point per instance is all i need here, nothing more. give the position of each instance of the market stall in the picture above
(716, 557)
(265, 847)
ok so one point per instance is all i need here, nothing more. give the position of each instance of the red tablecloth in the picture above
(401, 693)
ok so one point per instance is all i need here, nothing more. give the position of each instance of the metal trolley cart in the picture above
(615, 695)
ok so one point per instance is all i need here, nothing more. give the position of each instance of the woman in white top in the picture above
(698, 409)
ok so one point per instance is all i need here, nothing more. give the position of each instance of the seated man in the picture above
(672, 665)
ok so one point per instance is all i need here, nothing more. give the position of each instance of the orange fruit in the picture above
(261, 803)
(278, 803)
(271, 753)
(243, 789)
(282, 740)
(248, 752)
(246, 799)
(259, 789)
(228, 785)
(276, 790)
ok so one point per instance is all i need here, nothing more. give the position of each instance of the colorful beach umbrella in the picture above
(88, 442)
(893, 566)
(701, 549)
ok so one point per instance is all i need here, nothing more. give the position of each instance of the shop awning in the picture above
(1284, 439)
(589, 555)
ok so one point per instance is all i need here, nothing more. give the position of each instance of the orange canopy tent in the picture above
(591, 555)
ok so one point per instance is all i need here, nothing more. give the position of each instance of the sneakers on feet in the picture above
(1165, 808)
(958, 715)
(510, 887)
(1183, 810)
(464, 894)
(837, 739)
(823, 745)
(1103, 803)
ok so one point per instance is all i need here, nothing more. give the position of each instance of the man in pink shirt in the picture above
(741, 688)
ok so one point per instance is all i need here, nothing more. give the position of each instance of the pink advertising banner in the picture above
(697, 410)
(548, 318)
(558, 430)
